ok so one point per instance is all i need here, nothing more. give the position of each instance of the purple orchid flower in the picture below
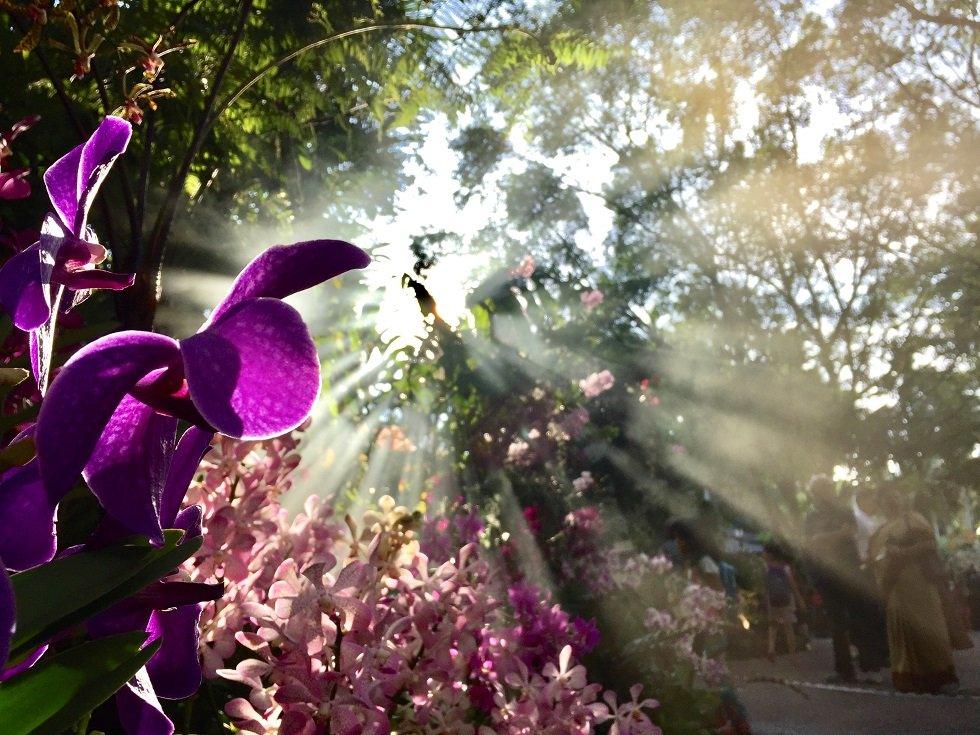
(33, 282)
(169, 611)
(27, 513)
(251, 372)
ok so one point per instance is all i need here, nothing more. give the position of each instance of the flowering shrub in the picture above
(357, 627)
(664, 626)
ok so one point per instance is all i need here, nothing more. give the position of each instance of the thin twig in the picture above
(164, 220)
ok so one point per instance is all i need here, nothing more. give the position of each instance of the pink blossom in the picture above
(591, 299)
(583, 482)
(349, 627)
(524, 269)
(597, 383)
(395, 439)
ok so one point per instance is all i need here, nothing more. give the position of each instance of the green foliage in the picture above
(62, 689)
(67, 591)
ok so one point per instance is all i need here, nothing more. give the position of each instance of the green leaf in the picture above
(17, 454)
(62, 593)
(59, 690)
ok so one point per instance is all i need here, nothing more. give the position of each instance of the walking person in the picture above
(909, 571)
(868, 629)
(783, 599)
(834, 568)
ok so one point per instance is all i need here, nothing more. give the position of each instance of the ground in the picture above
(812, 707)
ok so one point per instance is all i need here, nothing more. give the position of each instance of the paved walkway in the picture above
(804, 705)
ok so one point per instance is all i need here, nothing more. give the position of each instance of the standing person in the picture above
(909, 571)
(868, 630)
(833, 562)
(783, 599)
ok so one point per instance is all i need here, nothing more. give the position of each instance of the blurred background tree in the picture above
(777, 200)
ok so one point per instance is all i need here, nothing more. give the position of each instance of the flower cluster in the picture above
(596, 383)
(680, 617)
(349, 627)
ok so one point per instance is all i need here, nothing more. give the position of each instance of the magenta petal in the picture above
(187, 458)
(287, 269)
(93, 278)
(84, 397)
(61, 180)
(129, 466)
(74, 179)
(14, 184)
(175, 669)
(190, 520)
(139, 709)
(21, 292)
(8, 616)
(27, 534)
(24, 664)
(254, 373)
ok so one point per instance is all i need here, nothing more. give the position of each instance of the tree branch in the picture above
(155, 247)
(148, 279)
(942, 19)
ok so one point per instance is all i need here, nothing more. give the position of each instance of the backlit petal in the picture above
(175, 669)
(84, 397)
(139, 709)
(27, 532)
(287, 269)
(253, 374)
(21, 293)
(191, 448)
(129, 466)
(75, 178)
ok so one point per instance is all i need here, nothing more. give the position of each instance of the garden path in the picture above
(805, 705)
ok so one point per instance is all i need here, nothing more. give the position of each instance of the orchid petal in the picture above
(129, 466)
(191, 521)
(61, 181)
(166, 595)
(21, 292)
(74, 179)
(42, 340)
(8, 616)
(287, 269)
(92, 278)
(14, 184)
(191, 449)
(24, 664)
(139, 709)
(175, 669)
(84, 396)
(27, 532)
(254, 373)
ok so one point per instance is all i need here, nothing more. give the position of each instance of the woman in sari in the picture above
(909, 571)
